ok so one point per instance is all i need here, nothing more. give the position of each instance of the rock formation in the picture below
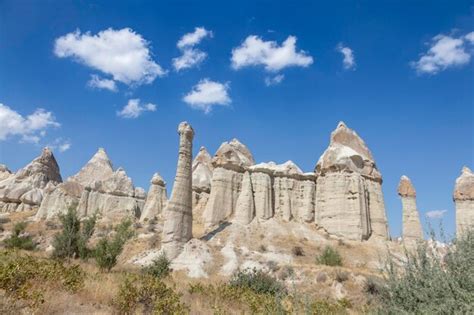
(411, 226)
(230, 162)
(24, 189)
(245, 207)
(178, 216)
(155, 200)
(4, 172)
(202, 175)
(349, 199)
(95, 188)
(464, 198)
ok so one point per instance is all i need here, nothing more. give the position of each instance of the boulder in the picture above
(463, 196)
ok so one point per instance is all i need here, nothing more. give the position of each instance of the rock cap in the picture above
(233, 155)
(405, 187)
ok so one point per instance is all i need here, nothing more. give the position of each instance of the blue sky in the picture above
(408, 90)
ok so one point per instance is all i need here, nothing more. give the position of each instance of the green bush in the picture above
(107, 250)
(18, 240)
(71, 242)
(257, 281)
(329, 257)
(430, 284)
(160, 267)
(25, 277)
(145, 294)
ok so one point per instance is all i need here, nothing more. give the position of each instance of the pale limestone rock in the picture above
(24, 189)
(59, 199)
(178, 215)
(230, 162)
(411, 225)
(234, 155)
(349, 199)
(155, 200)
(202, 171)
(99, 168)
(464, 199)
(262, 192)
(4, 172)
(245, 207)
(96, 188)
(113, 198)
(293, 190)
(225, 188)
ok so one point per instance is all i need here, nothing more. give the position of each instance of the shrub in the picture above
(329, 257)
(257, 281)
(72, 241)
(18, 239)
(107, 250)
(145, 294)
(430, 284)
(26, 277)
(160, 267)
(373, 286)
(297, 251)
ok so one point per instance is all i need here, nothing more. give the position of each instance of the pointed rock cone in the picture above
(202, 171)
(155, 200)
(178, 215)
(411, 226)
(98, 168)
(464, 198)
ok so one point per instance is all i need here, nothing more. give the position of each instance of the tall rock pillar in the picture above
(464, 198)
(177, 228)
(411, 226)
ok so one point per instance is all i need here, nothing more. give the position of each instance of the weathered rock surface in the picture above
(4, 172)
(230, 162)
(245, 207)
(202, 171)
(178, 215)
(155, 200)
(464, 198)
(96, 188)
(411, 225)
(349, 199)
(24, 189)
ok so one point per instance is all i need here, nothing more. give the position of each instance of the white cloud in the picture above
(191, 56)
(269, 81)
(123, 54)
(194, 38)
(435, 214)
(100, 83)
(254, 51)
(30, 128)
(206, 94)
(134, 109)
(445, 52)
(60, 144)
(348, 56)
(470, 37)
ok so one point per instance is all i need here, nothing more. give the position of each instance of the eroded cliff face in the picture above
(95, 188)
(463, 196)
(349, 199)
(24, 190)
(411, 225)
